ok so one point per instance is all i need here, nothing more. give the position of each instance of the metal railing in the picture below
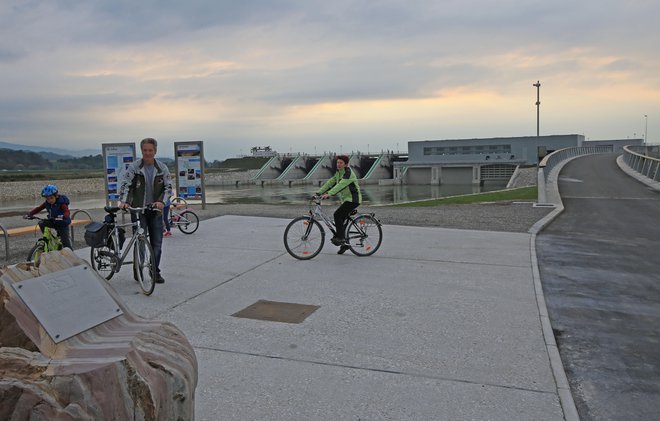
(643, 159)
(561, 156)
(5, 231)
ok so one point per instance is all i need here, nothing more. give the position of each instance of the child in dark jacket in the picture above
(59, 217)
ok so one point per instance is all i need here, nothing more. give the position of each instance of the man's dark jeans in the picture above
(152, 222)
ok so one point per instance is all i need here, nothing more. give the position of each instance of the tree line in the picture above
(26, 160)
(13, 160)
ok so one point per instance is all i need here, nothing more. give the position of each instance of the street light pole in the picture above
(646, 129)
(538, 103)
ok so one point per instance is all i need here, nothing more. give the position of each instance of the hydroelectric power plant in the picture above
(429, 162)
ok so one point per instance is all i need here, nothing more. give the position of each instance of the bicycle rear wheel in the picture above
(304, 238)
(144, 265)
(103, 260)
(188, 222)
(35, 253)
(364, 235)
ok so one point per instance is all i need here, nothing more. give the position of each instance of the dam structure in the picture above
(297, 169)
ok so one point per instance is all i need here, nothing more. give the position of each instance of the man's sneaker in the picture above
(167, 234)
(159, 279)
(342, 249)
(337, 241)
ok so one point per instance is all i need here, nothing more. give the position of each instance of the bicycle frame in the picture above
(318, 214)
(49, 236)
(137, 231)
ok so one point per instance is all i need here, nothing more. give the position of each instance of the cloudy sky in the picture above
(314, 76)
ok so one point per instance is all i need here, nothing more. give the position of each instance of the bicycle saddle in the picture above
(111, 209)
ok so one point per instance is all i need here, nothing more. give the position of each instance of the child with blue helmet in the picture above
(59, 216)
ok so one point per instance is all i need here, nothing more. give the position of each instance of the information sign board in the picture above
(189, 158)
(116, 159)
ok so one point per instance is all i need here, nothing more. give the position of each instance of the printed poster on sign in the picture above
(189, 167)
(117, 157)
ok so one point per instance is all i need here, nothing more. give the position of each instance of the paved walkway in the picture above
(599, 265)
(439, 324)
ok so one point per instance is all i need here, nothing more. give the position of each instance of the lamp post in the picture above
(646, 129)
(538, 103)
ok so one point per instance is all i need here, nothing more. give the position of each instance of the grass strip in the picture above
(521, 194)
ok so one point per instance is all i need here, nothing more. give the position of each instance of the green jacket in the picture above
(343, 182)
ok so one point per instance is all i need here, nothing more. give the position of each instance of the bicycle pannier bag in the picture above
(95, 233)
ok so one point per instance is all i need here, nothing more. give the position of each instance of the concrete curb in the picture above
(563, 388)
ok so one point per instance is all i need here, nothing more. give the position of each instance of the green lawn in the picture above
(524, 194)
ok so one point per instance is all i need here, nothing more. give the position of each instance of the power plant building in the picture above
(475, 161)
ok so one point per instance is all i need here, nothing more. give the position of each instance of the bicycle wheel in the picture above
(364, 235)
(103, 260)
(188, 222)
(36, 252)
(144, 264)
(304, 238)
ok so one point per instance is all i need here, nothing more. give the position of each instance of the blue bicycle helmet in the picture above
(49, 190)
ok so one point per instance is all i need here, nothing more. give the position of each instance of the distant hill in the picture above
(63, 153)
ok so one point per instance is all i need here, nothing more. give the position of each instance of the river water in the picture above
(282, 194)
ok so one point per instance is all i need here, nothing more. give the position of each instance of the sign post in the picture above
(189, 157)
(116, 158)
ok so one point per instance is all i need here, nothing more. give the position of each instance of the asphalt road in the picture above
(600, 271)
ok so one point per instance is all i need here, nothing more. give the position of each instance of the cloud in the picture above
(248, 71)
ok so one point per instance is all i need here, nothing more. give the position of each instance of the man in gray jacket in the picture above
(147, 181)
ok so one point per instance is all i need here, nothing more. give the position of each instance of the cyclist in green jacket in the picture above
(343, 182)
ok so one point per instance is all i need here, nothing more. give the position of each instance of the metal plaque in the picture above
(274, 311)
(68, 302)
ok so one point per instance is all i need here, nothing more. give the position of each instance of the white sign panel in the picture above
(117, 157)
(190, 171)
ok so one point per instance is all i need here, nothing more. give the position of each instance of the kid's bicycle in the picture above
(50, 241)
(304, 237)
(108, 254)
(183, 217)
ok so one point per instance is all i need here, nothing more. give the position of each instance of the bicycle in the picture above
(48, 242)
(186, 220)
(107, 240)
(304, 237)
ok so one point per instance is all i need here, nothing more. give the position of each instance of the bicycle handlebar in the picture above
(31, 217)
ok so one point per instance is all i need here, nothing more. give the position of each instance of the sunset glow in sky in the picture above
(314, 76)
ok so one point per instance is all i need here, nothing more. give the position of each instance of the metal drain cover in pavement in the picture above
(274, 311)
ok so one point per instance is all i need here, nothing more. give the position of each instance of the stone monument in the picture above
(125, 368)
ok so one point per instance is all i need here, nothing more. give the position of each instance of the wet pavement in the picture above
(600, 271)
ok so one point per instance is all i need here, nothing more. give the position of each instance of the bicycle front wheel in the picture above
(364, 235)
(144, 265)
(188, 222)
(103, 260)
(35, 253)
(304, 238)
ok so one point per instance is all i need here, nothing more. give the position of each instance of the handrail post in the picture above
(73, 217)
(540, 182)
(6, 235)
